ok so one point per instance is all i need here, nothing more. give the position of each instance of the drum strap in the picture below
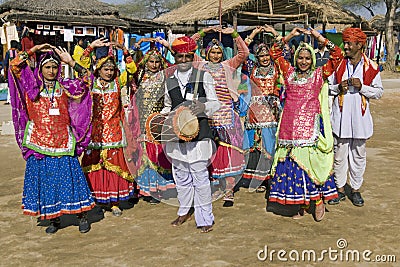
(196, 85)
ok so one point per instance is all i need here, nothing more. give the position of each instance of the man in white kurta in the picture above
(191, 159)
(356, 80)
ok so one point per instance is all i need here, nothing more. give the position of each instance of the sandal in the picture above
(261, 189)
(116, 211)
(228, 196)
(319, 212)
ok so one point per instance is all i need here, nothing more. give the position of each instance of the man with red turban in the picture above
(190, 87)
(356, 80)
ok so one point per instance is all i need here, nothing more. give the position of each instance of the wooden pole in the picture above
(379, 49)
(234, 22)
(273, 15)
(271, 10)
(220, 19)
(70, 71)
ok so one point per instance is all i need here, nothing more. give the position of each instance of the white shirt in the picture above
(350, 123)
(192, 151)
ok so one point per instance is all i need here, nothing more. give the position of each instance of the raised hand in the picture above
(100, 42)
(63, 54)
(42, 47)
(256, 31)
(162, 41)
(211, 29)
(227, 30)
(270, 29)
(298, 31)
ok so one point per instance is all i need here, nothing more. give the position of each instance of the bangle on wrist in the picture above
(329, 44)
(248, 40)
(30, 53)
(87, 51)
(202, 33)
(235, 34)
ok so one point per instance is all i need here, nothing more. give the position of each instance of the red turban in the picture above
(184, 44)
(354, 35)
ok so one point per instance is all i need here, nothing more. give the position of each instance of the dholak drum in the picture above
(185, 124)
(158, 129)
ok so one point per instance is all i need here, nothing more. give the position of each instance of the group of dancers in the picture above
(268, 128)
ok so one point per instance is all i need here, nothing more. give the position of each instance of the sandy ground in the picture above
(143, 235)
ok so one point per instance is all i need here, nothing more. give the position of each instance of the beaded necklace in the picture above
(264, 71)
(307, 75)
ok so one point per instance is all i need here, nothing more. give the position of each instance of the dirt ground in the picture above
(143, 235)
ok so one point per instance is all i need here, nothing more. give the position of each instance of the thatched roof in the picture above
(61, 7)
(318, 11)
(89, 12)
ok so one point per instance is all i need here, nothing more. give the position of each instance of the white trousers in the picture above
(350, 156)
(193, 187)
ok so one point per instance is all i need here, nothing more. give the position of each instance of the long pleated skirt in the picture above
(54, 186)
(291, 185)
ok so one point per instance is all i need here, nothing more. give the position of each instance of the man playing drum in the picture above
(188, 86)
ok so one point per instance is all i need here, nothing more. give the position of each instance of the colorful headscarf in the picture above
(49, 56)
(304, 46)
(184, 44)
(214, 43)
(108, 60)
(261, 50)
(153, 53)
(354, 35)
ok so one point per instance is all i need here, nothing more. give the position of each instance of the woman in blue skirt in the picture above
(51, 118)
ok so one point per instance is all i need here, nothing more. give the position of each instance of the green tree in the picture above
(391, 7)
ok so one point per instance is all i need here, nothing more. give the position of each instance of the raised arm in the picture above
(277, 48)
(200, 34)
(336, 54)
(243, 50)
(249, 39)
(95, 44)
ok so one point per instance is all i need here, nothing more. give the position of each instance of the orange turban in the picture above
(184, 44)
(354, 35)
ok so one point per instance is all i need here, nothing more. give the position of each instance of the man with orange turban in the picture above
(190, 87)
(356, 80)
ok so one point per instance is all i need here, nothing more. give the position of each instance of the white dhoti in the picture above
(189, 168)
(350, 156)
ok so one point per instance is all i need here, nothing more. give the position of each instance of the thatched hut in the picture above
(70, 12)
(256, 12)
(48, 19)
